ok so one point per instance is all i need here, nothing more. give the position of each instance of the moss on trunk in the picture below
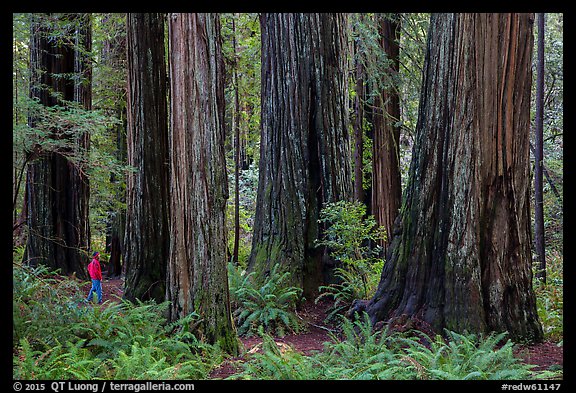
(463, 259)
(305, 147)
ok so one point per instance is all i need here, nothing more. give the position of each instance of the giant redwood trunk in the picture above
(386, 181)
(197, 277)
(147, 232)
(304, 147)
(462, 260)
(57, 186)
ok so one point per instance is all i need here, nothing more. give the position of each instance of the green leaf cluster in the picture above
(269, 306)
(58, 337)
(352, 238)
(550, 297)
(359, 353)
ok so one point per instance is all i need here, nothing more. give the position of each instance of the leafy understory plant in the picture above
(550, 297)
(465, 356)
(56, 338)
(361, 353)
(61, 361)
(274, 363)
(270, 306)
(352, 239)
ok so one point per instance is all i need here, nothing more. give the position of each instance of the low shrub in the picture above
(55, 337)
(271, 306)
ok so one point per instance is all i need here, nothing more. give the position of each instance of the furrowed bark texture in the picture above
(146, 236)
(58, 189)
(386, 183)
(197, 275)
(358, 125)
(305, 147)
(462, 260)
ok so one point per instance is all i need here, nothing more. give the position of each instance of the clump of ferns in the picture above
(270, 305)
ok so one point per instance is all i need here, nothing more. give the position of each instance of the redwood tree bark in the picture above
(197, 276)
(304, 147)
(147, 231)
(358, 126)
(462, 260)
(237, 149)
(386, 180)
(57, 188)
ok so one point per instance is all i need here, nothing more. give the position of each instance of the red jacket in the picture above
(94, 270)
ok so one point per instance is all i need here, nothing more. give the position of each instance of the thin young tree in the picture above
(113, 88)
(462, 260)
(359, 100)
(197, 279)
(237, 146)
(305, 157)
(147, 228)
(539, 241)
(57, 187)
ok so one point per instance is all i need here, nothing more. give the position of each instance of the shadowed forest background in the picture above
(288, 196)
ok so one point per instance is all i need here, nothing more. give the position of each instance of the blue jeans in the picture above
(96, 288)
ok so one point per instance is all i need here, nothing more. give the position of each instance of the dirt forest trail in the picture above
(544, 355)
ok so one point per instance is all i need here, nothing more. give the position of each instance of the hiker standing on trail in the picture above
(95, 272)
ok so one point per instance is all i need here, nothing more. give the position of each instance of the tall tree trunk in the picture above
(539, 242)
(386, 180)
(358, 129)
(147, 227)
(304, 147)
(57, 189)
(118, 217)
(197, 275)
(236, 127)
(462, 260)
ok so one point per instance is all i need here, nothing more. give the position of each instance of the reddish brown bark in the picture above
(462, 260)
(305, 158)
(386, 182)
(197, 276)
(146, 238)
(57, 188)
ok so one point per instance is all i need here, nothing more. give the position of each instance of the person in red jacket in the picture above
(95, 272)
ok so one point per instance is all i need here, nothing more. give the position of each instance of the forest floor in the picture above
(544, 355)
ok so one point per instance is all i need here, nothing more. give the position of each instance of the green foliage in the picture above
(269, 306)
(553, 127)
(248, 184)
(360, 353)
(465, 357)
(244, 59)
(58, 129)
(41, 309)
(378, 74)
(155, 360)
(350, 237)
(550, 297)
(61, 361)
(342, 294)
(272, 363)
(57, 337)
(349, 232)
